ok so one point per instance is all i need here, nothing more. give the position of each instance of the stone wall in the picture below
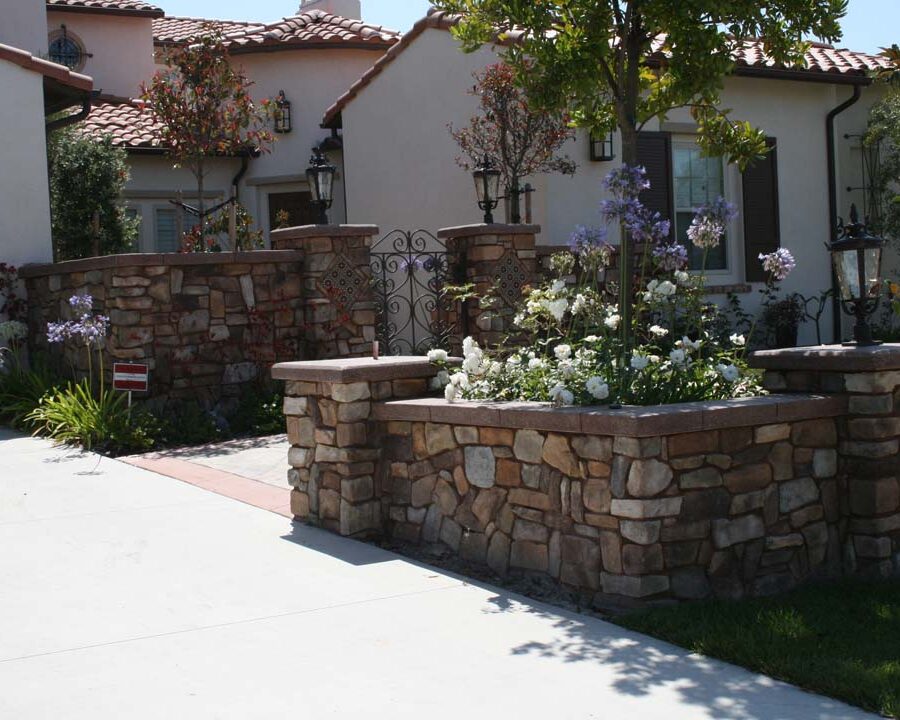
(204, 323)
(725, 499)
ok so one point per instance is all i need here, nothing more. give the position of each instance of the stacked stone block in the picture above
(868, 441)
(500, 259)
(203, 323)
(339, 306)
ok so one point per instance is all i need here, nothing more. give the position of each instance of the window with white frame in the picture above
(165, 230)
(696, 180)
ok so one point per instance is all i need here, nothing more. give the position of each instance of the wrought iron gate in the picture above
(409, 273)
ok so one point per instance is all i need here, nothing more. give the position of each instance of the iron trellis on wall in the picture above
(409, 273)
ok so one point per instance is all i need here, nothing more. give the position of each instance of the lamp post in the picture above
(320, 176)
(487, 187)
(857, 264)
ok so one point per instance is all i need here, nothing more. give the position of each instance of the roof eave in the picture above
(131, 12)
(280, 46)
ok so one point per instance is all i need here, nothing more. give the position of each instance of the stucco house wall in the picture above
(23, 25)
(24, 193)
(400, 168)
(120, 47)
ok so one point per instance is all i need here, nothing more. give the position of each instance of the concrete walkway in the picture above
(125, 594)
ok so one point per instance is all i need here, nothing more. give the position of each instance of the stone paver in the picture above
(127, 594)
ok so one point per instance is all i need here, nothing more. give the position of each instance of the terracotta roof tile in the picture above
(175, 30)
(127, 122)
(751, 60)
(312, 29)
(119, 7)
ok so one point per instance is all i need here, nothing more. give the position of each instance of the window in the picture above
(696, 180)
(296, 205)
(66, 49)
(165, 232)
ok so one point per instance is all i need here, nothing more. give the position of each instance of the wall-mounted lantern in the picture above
(857, 264)
(487, 188)
(282, 113)
(320, 176)
(602, 148)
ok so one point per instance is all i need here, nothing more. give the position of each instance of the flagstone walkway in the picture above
(128, 594)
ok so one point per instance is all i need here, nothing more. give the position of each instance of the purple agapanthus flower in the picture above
(586, 239)
(778, 264)
(81, 304)
(625, 185)
(709, 223)
(671, 256)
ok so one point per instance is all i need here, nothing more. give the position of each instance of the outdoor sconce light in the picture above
(487, 187)
(320, 176)
(282, 113)
(602, 148)
(857, 264)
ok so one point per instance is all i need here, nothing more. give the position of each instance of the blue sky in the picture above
(870, 24)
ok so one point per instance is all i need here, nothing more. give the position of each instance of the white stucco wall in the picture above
(23, 25)
(24, 195)
(121, 48)
(400, 166)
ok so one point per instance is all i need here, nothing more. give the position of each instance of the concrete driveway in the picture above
(128, 595)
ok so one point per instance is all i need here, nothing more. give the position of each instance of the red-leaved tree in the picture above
(204, 107)
(519, 139)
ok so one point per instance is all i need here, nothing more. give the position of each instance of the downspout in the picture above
(832, 204)
(245, 162)
(70, 119)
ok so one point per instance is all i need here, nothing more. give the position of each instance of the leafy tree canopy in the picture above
(86, 181)
(622, 63)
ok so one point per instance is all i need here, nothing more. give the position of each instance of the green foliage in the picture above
(883, 138)
(21, 390)
(840, 640)
(623, 63)
(186, 423)
(86, 182)
(76, 415)
(259, 411)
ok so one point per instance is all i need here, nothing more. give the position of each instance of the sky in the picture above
(869, 25)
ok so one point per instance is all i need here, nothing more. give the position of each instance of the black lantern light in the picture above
(857, 264)
(282, 113)
(320, 176)
(487, 187)
(602, 148)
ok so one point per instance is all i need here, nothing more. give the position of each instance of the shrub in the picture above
(259, 411)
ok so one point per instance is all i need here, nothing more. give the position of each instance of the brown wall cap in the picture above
(347, 370)
(309, 231)
(486, 229)
(106, 262)
(629, 421)
(834, 358)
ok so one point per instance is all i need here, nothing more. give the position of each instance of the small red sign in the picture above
(131, 376)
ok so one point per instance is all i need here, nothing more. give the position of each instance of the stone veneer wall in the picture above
(204, 323)
(723, 499)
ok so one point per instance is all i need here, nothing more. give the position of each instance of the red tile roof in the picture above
(823, 62)
(175, 30)
(313, 29)
(51, 70)
(116, 7)
(127, 122)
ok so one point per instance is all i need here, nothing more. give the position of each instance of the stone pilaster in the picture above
(868, 441)
(499, 259)
(335, 442)
(339, 308)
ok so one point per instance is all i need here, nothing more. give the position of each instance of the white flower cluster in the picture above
(13, 331)
(659, 290)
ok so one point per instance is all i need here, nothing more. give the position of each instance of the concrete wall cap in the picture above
(629, 421)
(346, 370)
(331, 231)
(127, 260)
(485, 229)
(834, 358)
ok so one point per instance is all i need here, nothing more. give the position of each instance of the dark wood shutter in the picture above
(655, 154)
(761, 221)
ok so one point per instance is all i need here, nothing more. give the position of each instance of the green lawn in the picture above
(840, 640)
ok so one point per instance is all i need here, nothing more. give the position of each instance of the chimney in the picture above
(345, 8)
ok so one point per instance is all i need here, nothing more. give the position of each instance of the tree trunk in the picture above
(626, 254)
(201, 207)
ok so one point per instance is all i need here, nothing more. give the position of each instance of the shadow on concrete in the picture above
(643, 665)
(348, 550)
(223, 449)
